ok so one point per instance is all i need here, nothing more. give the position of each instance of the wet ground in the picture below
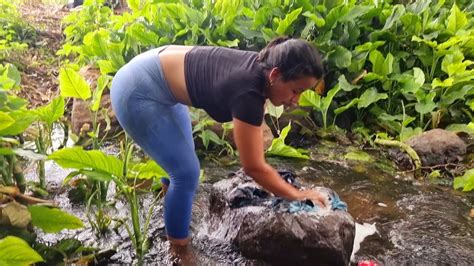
(398, 221)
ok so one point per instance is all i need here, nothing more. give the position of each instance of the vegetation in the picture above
(396, 69)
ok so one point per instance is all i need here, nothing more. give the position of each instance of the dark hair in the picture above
(295, 58)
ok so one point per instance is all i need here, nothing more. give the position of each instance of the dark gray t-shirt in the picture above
(226, 83)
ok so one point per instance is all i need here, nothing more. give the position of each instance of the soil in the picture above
(40, 64)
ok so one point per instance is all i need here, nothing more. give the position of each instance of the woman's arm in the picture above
(249, 141)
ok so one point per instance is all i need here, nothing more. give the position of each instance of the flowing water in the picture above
(398, 221)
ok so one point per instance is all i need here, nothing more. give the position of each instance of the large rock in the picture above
(266, 227)
(434, 147)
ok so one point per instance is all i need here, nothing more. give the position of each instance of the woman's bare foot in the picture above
(182, 252)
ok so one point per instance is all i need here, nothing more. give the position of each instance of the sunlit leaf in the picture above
(5, 120)
(397, 12)
(369, 97)
(341, 57)
(466, 181)
(15, 251)
(95, 160)
(23, 120)
(51, 112)
(102, 82)
(456, 20)
(73, 85)
(286, 23)
(147, 170)
(275, 111)
(52, 220)
(279, 148)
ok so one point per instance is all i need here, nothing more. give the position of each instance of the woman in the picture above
(151, 93)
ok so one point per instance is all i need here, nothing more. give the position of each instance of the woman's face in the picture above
(287, 93)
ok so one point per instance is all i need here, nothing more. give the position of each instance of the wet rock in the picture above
(270, 228)
(434, 147)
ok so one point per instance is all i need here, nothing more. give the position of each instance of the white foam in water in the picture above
(362, 231)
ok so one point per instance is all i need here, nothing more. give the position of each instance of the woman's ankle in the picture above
(179, 242)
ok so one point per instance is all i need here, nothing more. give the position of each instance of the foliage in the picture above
(466, 181)
(101, 167)
(53, 220)
(365, 42)
(15, 251)
(15, 34)
(279, 148)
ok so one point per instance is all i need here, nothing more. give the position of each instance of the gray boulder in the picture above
(270, 228)
(434, 147)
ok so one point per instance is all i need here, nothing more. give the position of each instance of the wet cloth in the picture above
(249, 195)
(148, 111)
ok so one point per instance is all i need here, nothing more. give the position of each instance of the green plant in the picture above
(15, 251)
(15, 119)
(15, 34)
(466, 182)
(203, 130)
(101, 167)
(279, 148)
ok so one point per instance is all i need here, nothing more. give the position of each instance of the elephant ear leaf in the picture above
(53, 220)
(93, 161)
(279, 148)
(72, 84)
(15, 251)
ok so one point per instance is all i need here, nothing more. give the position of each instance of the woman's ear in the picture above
(274, 74)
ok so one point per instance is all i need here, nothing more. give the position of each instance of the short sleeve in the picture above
(248, 107)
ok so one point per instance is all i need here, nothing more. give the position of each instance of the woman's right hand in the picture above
(314, 196)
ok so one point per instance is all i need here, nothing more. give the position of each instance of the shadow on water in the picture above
(398, 222)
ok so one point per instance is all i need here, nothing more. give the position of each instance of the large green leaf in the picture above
(95, 43)
(345, 85)
(341, 57)
(5, 120)
(73, 85)
(466, 181)
(275, 111)
(380, 65)
(52, 112)
(94, 160)
(52, 220)
(286, 23)
(147, 170)
(9, 77)
(310, 98)
(318, 21)
(279, 148)
(397, 12)
(23, 120)
(102, 83)
(369, 97)
(425, 102)
(15, 251)
(456, 20)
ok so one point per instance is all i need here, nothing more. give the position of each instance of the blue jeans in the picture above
(150, 114)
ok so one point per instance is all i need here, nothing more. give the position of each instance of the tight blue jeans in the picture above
(150, 114)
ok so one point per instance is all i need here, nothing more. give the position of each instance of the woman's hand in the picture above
(314, 196)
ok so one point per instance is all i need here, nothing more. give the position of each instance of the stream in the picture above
(399, 221)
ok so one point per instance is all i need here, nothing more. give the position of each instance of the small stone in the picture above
(381, 204)
(472, 213)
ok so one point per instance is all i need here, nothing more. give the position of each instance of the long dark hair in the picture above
(295, 58)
